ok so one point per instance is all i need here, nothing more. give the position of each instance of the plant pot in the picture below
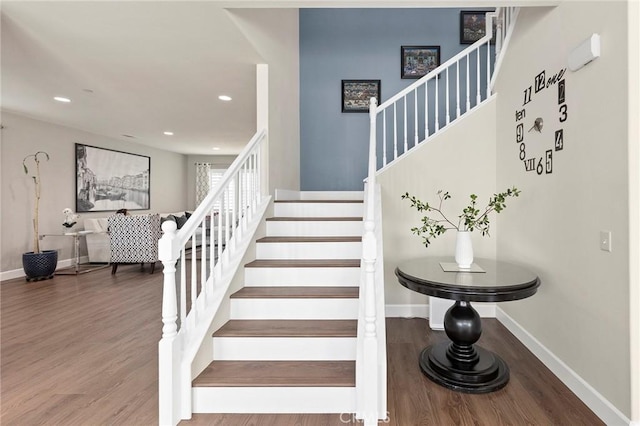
(464, 250)
(39, 266)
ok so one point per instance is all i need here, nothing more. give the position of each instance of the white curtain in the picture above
(202, 181)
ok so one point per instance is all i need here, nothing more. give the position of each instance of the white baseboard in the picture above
(609, 414)
(486, 310)
(19, 273)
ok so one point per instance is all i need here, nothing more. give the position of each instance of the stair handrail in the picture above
(220, 223)
(480, 52)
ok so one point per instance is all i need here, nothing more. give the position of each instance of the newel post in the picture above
(369, 244)
(168, 350)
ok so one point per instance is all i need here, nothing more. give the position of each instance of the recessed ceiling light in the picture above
(62, 99)
(216, 148)
(224, 98)
(168, 133)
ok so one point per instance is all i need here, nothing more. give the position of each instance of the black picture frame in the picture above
(473, 26)
(109, 180)
(418, 61)
(356, 94)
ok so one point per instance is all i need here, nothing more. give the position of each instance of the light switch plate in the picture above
(605, 240)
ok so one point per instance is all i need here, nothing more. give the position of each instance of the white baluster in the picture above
(478, 77)
(183, 291)
(488, 68)
(437, 113)
(212, 247)
(415, 117)
(194, 279)
(468, 86)
(405, 112)
(446, 101)
(232, 225)
(203, 260)
(169, 302)
(457, 89)
(395, 132)
(426, 109)
(384, 137)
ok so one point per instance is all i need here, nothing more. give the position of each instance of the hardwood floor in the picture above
(83, 351)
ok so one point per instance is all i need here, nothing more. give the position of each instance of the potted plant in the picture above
(472, 218)
(37, 264)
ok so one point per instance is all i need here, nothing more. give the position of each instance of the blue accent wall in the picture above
(354, 44)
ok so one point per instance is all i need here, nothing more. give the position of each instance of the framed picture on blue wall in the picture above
(418, 61)
(473, 26)
(356, 94)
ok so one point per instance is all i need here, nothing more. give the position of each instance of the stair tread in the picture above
(295, 239)
(278, 373)
(288, 328)
(313, 219)
(296, 292)
(319, 201)
(304, 263)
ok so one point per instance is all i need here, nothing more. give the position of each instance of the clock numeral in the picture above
(519, 132)
(549, 165)
(523, 154)
(559, 140)
(521, 114)
(563, 113)
(530, 164)
(540, 81)
(561, 92)
(527, 96)
(539, 167)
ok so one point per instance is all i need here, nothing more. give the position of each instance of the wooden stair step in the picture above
(292, 239)
(304, 263)
(278, 373)
(288, 328)
(319, 201)
(296, 293)
(311, 219)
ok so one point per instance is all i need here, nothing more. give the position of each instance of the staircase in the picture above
(290, 345)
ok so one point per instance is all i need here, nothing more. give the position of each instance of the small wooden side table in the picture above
(460, 364)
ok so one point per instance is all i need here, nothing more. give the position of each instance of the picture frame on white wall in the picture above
(109, 180)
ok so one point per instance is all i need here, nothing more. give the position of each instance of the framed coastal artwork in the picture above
(108, 180)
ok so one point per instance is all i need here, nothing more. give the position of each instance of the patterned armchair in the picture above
(134, 239)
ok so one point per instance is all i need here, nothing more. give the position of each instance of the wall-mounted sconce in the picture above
(584, 53)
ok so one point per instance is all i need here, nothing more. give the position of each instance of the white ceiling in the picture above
(132, 68)
(140, 68)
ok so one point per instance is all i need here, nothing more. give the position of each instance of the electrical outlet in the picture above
(605, 240)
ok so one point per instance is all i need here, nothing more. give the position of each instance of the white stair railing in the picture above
(210, 238)
(411, 116)
(443, 95)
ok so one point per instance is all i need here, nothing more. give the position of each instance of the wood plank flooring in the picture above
(83, 351)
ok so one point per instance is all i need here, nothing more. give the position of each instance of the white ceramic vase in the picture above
(464, 250)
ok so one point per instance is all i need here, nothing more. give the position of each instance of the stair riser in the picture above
(318, 209)
(342, 250)
(274, 400)
(330, 277)
(318, 228)
(284, 348)
(294, 309)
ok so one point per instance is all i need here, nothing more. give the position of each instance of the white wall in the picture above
(581, 311)
(461, 160)
(274, 33)
(23, 136)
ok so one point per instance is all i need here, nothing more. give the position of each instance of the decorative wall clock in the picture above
(540, 121)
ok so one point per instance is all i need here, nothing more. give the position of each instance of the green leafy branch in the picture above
(472, 217)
